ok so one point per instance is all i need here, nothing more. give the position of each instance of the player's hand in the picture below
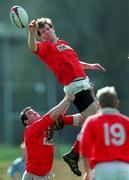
(32, 26)
(97, 66)
(69, 97)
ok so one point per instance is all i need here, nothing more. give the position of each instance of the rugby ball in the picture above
(19, 16)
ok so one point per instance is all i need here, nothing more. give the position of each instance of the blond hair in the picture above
(40, 22)
(107, 96)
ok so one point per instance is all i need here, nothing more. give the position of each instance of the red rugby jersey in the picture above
(105, 137)
(39, 153)
(61, 59)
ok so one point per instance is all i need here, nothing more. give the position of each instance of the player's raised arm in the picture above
(32, 36)
(95, 66)
(61, 107)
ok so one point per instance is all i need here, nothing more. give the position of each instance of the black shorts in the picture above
(83, 99)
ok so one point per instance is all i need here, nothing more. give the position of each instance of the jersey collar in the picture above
(108, 111)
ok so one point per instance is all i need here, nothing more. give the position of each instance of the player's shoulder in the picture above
(45, 118)
(63, 42)
(123, 116)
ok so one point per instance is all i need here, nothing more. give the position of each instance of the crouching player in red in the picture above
(105, 139)
(40, 151)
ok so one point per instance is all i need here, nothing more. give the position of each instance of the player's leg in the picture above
(87, 105)
(72, 157)
(92, 109)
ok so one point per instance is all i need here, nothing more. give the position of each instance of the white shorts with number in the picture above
(115, 170)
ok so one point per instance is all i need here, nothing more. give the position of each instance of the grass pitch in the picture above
(60, 168)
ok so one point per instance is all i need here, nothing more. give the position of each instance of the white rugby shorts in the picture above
(77, 86)
(29, 176)
(115, 170)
